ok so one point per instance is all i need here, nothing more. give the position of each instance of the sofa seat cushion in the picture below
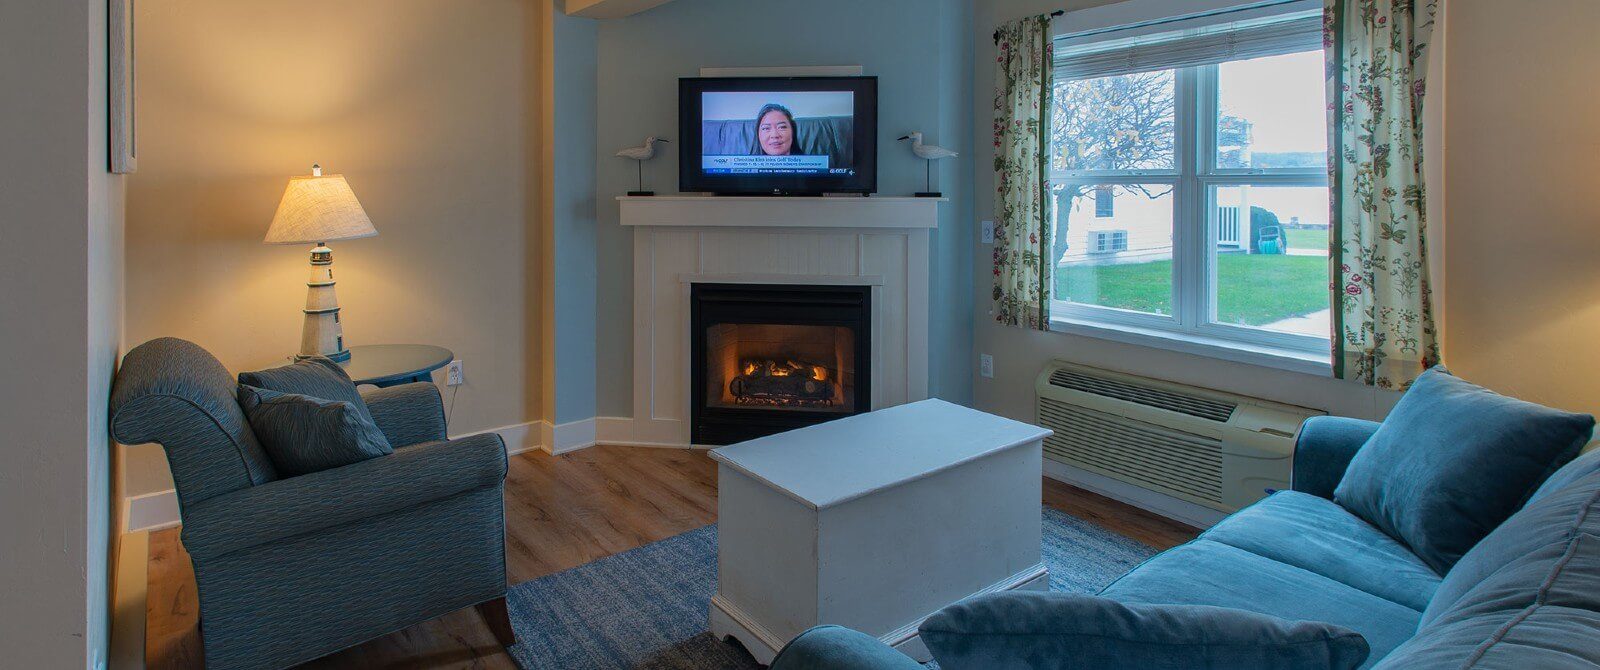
(1204, 572)
(1317, 535)
(1453, 461)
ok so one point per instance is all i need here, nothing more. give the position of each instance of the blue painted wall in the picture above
(573, 227)
(921, 51)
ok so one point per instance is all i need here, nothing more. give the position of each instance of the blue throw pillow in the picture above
(1018, 630)
(316, 377)
(303, 435)
(1452, 461)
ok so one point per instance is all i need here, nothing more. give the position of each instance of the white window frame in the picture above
(1194, 261)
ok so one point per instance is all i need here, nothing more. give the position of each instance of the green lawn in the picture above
(1252, 289)
(1307, 238)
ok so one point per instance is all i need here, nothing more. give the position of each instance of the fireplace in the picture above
(769, 358)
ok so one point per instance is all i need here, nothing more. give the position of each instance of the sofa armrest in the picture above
(407, 414)
(285, 508)
(1323, 452)
(839, 648)
(1031, 629)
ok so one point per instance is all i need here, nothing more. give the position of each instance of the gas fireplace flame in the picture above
(787, 382)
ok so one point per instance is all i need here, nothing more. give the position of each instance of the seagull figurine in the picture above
(929, 153)
(641, 154)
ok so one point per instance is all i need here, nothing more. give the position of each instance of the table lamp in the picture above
(316, 210)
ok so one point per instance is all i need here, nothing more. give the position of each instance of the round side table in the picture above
(385, 365)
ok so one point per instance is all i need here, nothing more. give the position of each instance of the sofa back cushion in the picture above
(173, 392)
(1527, 545)
(1528, 596)
(1452, 461)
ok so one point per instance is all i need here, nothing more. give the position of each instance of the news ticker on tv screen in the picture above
(770, 165)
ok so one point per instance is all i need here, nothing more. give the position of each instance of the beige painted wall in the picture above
(1523, 219)
(426, 106)
(61, 273)
(1020, 354)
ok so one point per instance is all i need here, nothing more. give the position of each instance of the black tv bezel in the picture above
(692, 179)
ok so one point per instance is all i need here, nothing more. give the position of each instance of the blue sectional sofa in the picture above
(1525, 596)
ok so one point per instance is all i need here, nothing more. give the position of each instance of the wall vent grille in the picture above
(1174, 462)
(1214, 410)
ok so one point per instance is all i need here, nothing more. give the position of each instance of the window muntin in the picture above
(1230, 154)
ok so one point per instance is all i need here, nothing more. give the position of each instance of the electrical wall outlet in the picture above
(456, 376)
(988, 232)
(986, 365)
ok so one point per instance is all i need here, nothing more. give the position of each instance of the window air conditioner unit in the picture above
(1108, 241)
(1203, 446)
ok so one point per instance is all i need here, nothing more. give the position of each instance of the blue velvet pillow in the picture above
(1017, 630)
(1452, 461)
(303, 435)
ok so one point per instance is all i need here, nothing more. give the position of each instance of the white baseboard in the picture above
(518, 437)
(568, 437)
(1182, 511)
(623, 431)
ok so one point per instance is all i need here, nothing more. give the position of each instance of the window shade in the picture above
(1104, 54)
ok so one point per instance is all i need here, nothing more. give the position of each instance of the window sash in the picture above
(1194, 286)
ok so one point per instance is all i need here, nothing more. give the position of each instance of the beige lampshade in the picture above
(319, 209)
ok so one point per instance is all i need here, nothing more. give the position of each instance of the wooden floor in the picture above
(561, 512)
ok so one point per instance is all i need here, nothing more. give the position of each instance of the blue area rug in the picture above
(646, 608)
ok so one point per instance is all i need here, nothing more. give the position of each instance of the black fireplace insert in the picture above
(766, 358)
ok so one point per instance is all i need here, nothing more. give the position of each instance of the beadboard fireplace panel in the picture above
(680, 241)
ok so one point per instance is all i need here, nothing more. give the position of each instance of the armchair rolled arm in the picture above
(1323, 452)
(839, 648)
(286, 508)
(407, 414)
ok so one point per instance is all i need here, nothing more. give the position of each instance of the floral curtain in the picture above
(1021, 172)
(1383, 329)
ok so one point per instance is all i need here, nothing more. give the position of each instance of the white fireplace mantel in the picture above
(679, 240)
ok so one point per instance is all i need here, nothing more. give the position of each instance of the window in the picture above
(1189, 183)
(1103, 203)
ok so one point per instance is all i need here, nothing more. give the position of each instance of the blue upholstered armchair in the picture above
(290, 569)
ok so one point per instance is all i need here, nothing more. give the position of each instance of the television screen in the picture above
(779, 136)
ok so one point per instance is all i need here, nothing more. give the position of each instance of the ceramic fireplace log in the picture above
(796, 386)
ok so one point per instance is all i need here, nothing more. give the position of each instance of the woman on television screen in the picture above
(775, 131)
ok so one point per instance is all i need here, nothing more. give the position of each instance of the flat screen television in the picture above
(778, 135)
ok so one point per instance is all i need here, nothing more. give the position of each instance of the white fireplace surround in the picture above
(681, 240)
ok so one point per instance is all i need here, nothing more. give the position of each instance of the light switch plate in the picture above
(988, 232)
(986, 365)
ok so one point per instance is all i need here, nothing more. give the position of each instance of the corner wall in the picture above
(919, 49)
(61, 266)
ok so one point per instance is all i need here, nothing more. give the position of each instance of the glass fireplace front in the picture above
(770, 358)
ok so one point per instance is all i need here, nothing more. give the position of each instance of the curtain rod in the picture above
(1053, 14)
